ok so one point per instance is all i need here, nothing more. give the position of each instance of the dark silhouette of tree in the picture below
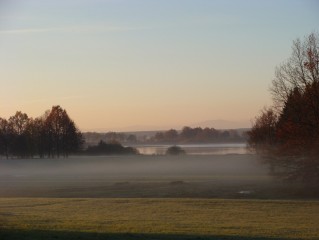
(262, 136)
(206, 134)
(188, 133)
(62, 134)
(4, 137)
(298, 135)
(291, 140)
(171, 135)
(18, 127)
(19, 122)
(38, 137)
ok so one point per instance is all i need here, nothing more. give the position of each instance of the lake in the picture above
(197, 149)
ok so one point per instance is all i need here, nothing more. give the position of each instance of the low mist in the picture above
(133, 176)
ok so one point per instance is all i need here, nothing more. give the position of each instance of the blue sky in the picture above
(119, 63)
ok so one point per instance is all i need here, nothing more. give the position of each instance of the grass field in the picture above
(101, 218)
(152, 197)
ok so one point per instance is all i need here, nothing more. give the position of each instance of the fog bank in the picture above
(132, 176)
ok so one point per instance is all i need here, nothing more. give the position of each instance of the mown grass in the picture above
(92, 218)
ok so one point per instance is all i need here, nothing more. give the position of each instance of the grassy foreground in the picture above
(58, 218)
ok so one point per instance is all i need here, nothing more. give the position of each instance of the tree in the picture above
(262, 136)
(4, 137)
(38, 137)
(187, 134)
(298, 135)
(289, 135)
(19, 122)
(171, 135)
(62, 134)
(300, 70)
(18, 129)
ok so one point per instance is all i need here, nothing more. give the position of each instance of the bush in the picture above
(113, 148)
(175, 150)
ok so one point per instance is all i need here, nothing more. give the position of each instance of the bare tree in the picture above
(300, 70)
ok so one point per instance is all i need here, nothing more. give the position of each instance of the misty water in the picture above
(197, 149)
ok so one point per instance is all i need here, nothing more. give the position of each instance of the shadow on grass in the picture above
(55, 235)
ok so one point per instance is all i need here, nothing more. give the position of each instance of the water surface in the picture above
(197, 149)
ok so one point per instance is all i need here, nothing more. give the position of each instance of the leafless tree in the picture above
(300, 70)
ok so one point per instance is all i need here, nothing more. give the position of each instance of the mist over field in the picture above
(231, 175)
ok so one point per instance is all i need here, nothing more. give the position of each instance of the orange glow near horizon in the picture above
(156, 65)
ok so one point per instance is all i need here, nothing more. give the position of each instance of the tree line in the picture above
(287, 134)
(172, 136)
(93, 138)
(53, 134)
(197, 135)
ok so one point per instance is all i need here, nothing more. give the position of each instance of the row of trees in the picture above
(52, 135)
(287, 134)
(197, 135)
(93, 138)
(172, 136)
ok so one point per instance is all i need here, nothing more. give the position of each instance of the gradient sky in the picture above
(146, 63)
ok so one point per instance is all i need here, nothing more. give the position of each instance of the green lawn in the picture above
(129, 218)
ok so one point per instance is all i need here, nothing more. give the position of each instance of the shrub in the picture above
(175, 150)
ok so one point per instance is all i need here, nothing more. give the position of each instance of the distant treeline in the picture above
(53, 134)
(93, 138)
(103, 148)
(172, 136)
(198, 135)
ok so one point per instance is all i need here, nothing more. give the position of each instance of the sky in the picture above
(146, 64)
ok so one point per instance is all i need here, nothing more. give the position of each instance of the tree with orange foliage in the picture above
(262, 136)
(289, 132)
(62, 134)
